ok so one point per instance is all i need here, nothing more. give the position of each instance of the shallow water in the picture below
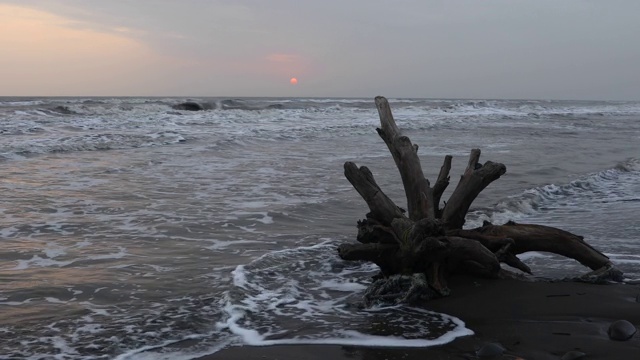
(132, 230)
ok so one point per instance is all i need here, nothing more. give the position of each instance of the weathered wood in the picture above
(419, 193)
(475, 178)
(441, 184)
(383, 255)
(382, 208)
(430, 243)
(531, 237)
(414, 233)
(472, 257)
(371, 231)
(493, 243)
(505, 256)
(366, 252)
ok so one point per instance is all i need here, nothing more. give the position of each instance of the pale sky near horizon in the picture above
(533, 49)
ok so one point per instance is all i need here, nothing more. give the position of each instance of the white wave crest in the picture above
(611, 185)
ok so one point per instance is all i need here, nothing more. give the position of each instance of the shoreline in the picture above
(532, 320)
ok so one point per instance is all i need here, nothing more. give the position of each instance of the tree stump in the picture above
(424, 245)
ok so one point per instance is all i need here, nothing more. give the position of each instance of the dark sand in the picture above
(532, 320)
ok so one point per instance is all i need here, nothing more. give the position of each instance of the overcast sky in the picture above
(537, 49)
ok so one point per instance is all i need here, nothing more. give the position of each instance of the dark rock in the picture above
(63, 110)
(189, 106)
(621, 330)
(490, 350)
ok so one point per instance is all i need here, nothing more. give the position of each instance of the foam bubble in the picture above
(54, 251)
(122, 252)
(222, 245)
(37, 261)
(54, 300)
(17, 303)
(342, 286)
(149, 353)
(532, 255)
(265, 219)
(239, 277)
(624, 258)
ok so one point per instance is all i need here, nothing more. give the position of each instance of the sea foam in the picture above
(287, 289)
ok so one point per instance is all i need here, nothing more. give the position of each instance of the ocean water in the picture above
(131, 230)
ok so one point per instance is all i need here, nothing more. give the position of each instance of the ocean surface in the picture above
(131, 230)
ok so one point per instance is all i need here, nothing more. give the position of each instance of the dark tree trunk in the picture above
(428, 240)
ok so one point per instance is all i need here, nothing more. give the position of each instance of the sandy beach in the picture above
(531, 320)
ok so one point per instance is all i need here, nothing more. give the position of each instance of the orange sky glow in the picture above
(44, 51)
(48, 54)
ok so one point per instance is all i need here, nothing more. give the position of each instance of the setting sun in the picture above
(293, 81)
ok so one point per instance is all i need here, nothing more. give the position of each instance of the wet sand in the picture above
(532, 320)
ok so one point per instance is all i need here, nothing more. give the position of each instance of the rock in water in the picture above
(490, 350)
(63, 110)
(573, 355)
(189, 106)
(621, 330)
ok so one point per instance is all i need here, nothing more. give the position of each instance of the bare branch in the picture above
(419, 194)
(476, 177)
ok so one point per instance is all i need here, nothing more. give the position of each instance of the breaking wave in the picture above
(89, 124)
(618, 184)
(90, 142)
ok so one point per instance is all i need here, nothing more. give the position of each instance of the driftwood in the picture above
(428, 240)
